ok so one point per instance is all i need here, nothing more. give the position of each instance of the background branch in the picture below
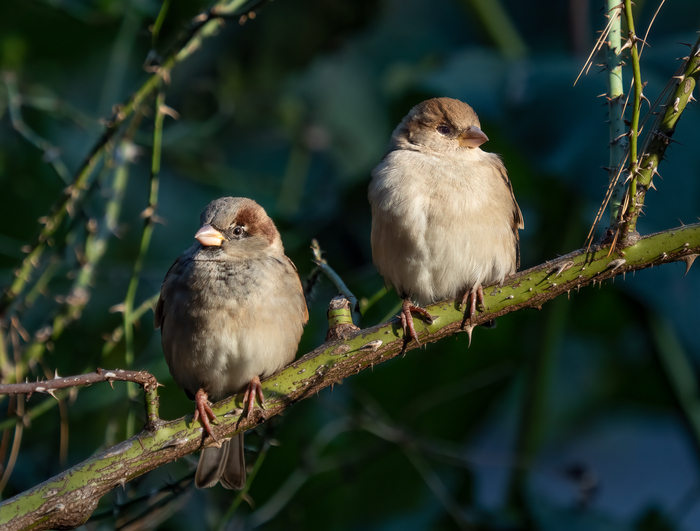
(142, 378)
(202, 27)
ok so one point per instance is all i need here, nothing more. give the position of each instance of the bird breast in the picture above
(441, 224)
(227, 322)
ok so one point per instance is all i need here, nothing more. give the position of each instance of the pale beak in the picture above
(472, 137)
(209, 236)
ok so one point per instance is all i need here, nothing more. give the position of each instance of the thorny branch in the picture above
(203, 26)
(68, 499)
(49, 387)
(643, 162)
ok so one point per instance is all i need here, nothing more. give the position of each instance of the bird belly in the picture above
(221, 347)
(436, 234)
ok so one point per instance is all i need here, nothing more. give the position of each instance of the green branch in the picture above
(149, 215)
(81, 487)
(660, 136)
(630, 205)
(616, 107)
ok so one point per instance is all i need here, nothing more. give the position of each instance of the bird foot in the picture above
(204, 412)
(254, 388)
(407, 318)
(475, 296)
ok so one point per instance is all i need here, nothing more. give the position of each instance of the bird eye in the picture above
(443, 130)
(237, 231)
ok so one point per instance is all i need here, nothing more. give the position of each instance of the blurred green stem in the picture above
(4, 362)
(295, 175)
(155, 32)
(136, 314)
(436, 485)
(64, 206)
(99, 234)
(148, 224)
(203, 27)
(494, 19)
(533, 415)
(534, 410)
(366, 304)
(244, 492)
(120, 56)
(392, 313)
(49, 151)
(680, 372)
(34, 413)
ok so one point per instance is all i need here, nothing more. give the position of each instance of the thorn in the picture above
(51, 392)
(689, 259)
(637, 39)
(560, 268)
(111, 383)
(676, 103)
(628, 44)
(164, 109)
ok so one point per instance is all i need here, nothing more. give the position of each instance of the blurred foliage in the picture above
(293, 108)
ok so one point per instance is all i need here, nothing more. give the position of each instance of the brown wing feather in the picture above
(518, 222)
(301, 291)
(159, 315)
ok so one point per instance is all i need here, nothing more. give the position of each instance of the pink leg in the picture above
(254, 388)
(475, 296)
(203, 411)
(407, 318)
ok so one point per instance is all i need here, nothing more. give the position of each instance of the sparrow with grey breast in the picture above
(444, 218)
(231, 311)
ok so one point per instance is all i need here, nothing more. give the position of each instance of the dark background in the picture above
(559, 419)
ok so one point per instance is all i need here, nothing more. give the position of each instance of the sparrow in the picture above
(444, 218)
(231, 311)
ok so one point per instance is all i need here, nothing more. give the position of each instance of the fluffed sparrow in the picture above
(231, 311)
(444, 218)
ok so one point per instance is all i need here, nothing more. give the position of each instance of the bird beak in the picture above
(472, 137)
(209, 236)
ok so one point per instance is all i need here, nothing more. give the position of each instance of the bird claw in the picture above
(254, 388)
(407, 319)
(475, 296)
(203, 411)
